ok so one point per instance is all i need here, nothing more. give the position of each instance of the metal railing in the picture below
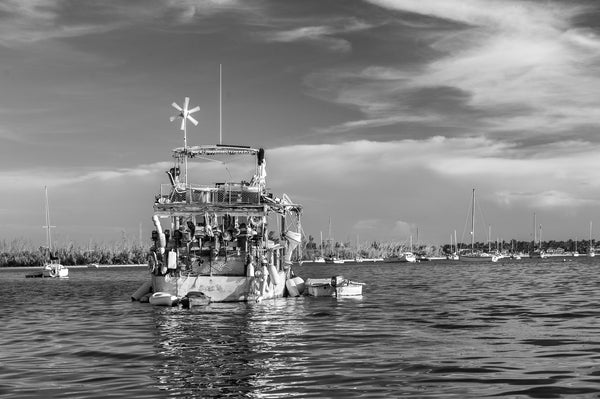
(223, 193)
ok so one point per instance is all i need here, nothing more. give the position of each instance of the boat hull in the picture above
(163, 299)
(322, 287)
(221, 288)
(466, 258)
(54, 270)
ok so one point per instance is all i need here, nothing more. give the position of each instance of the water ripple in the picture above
(430, 330)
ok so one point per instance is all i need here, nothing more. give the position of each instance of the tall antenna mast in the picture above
(220, 106)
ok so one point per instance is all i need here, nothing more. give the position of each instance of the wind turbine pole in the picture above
(185, 151)
(185, 114)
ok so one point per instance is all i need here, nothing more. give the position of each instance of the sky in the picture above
(379, 115)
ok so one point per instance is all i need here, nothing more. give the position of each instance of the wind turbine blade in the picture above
(195, 109)
(182, 123)
(186, 103)
(195, 122)
(177, 107)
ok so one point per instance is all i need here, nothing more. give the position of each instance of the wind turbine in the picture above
(185, 114)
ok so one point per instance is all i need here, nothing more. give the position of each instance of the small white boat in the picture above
(403, 257)
(163, 299)
(336, 286)
(195, 298)
(55, 270)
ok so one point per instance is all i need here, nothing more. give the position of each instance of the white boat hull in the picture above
(163, 299)
(322, 287)
(55, 270)
(405, 257)
(222, 288)
(466, 258)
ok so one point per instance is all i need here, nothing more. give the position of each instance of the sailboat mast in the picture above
(473, 222)
(455, 243)
(534, 231)
(48, 226)
(48, 235)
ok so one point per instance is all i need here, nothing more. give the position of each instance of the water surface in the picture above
(520, 329)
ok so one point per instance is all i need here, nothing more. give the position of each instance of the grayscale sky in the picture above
(379, 114)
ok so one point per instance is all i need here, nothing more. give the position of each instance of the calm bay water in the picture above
(434, 329)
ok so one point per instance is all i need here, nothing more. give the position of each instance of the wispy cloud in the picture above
(26, 21)
(327, 35)
(29, 21)
(520, 65)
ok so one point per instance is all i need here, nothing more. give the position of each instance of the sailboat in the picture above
(537, 252)
(453, 250)
(472, 255)
(406, 256)
(52, 268)
(320, 258)
(591, 252)
(331, 258)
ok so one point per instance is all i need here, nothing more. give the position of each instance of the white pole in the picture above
(185, 150)
(220, 107)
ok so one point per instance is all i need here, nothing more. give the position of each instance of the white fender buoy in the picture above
(299, 283)
(290, 284)
(172, 260)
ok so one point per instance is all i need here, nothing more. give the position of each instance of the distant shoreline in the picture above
(72, 267)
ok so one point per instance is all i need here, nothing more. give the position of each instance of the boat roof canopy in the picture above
(217, 149)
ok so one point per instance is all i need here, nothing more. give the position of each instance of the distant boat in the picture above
(453, 255)
(403, 257)
(53, 268)
(537, 252)
(591, 252)
(319, 259)
(406, 256)
(472, 255)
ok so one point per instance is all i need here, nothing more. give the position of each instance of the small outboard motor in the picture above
(336, 281)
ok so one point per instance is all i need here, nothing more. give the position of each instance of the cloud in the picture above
(27, 21)
(326, 35)
(520, 66)
(401, 229)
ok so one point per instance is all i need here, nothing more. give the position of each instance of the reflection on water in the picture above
(439, 329)
(229, 350)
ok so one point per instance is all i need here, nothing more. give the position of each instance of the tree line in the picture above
(19, 252)
(379, 249)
